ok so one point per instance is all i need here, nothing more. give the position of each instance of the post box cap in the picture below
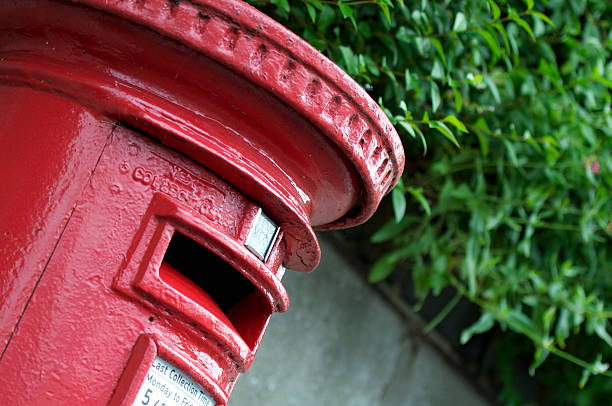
(258, 48)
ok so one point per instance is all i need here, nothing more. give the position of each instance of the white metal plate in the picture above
(262, 236)
(166, 385)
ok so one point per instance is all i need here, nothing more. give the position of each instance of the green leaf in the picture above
(282, 4)
(494, 9)
(398, 198)
(327, 17)
(562, 330)
(425, 118)
(388, 71)
(391, 229)
(529, 4)
(421, 136)
(458, 100)
(436, 43)
(372, 67)
(470, 262)
(444, 130)
(406, 126)
(539, 357)
(542, 17)
(511, 153)
(381, 269)
(522, 324)
(350, 60)
(600, 330)
(435, 96)
(502, 31)
(462, 192)
(385, 10)
(410, 80)
(347, 12)
(417, 193)
(385, 265)
(311, 12)
(604, 81)
(460, 23)
(491, 42)
(517, 19)
(455, 121)
(586, 374)
(493, 88)
(364, 29)
(595, 368)
(437, 71)
(482, 325)
(548, 317)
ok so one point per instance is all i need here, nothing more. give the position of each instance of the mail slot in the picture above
(163, 163)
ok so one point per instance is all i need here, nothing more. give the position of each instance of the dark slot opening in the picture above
(200, 274)
(224, 284)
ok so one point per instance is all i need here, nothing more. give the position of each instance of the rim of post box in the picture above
(380, 166)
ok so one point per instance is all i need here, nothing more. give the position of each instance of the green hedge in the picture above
(505, 110)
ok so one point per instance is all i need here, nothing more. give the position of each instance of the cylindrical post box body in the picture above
(164, 162)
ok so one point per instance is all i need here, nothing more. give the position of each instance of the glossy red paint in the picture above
(134, 126)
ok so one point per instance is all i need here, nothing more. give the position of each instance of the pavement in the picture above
(341, 344)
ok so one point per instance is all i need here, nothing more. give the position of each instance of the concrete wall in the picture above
(341, 344)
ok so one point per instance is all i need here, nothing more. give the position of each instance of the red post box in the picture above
(162, 163)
